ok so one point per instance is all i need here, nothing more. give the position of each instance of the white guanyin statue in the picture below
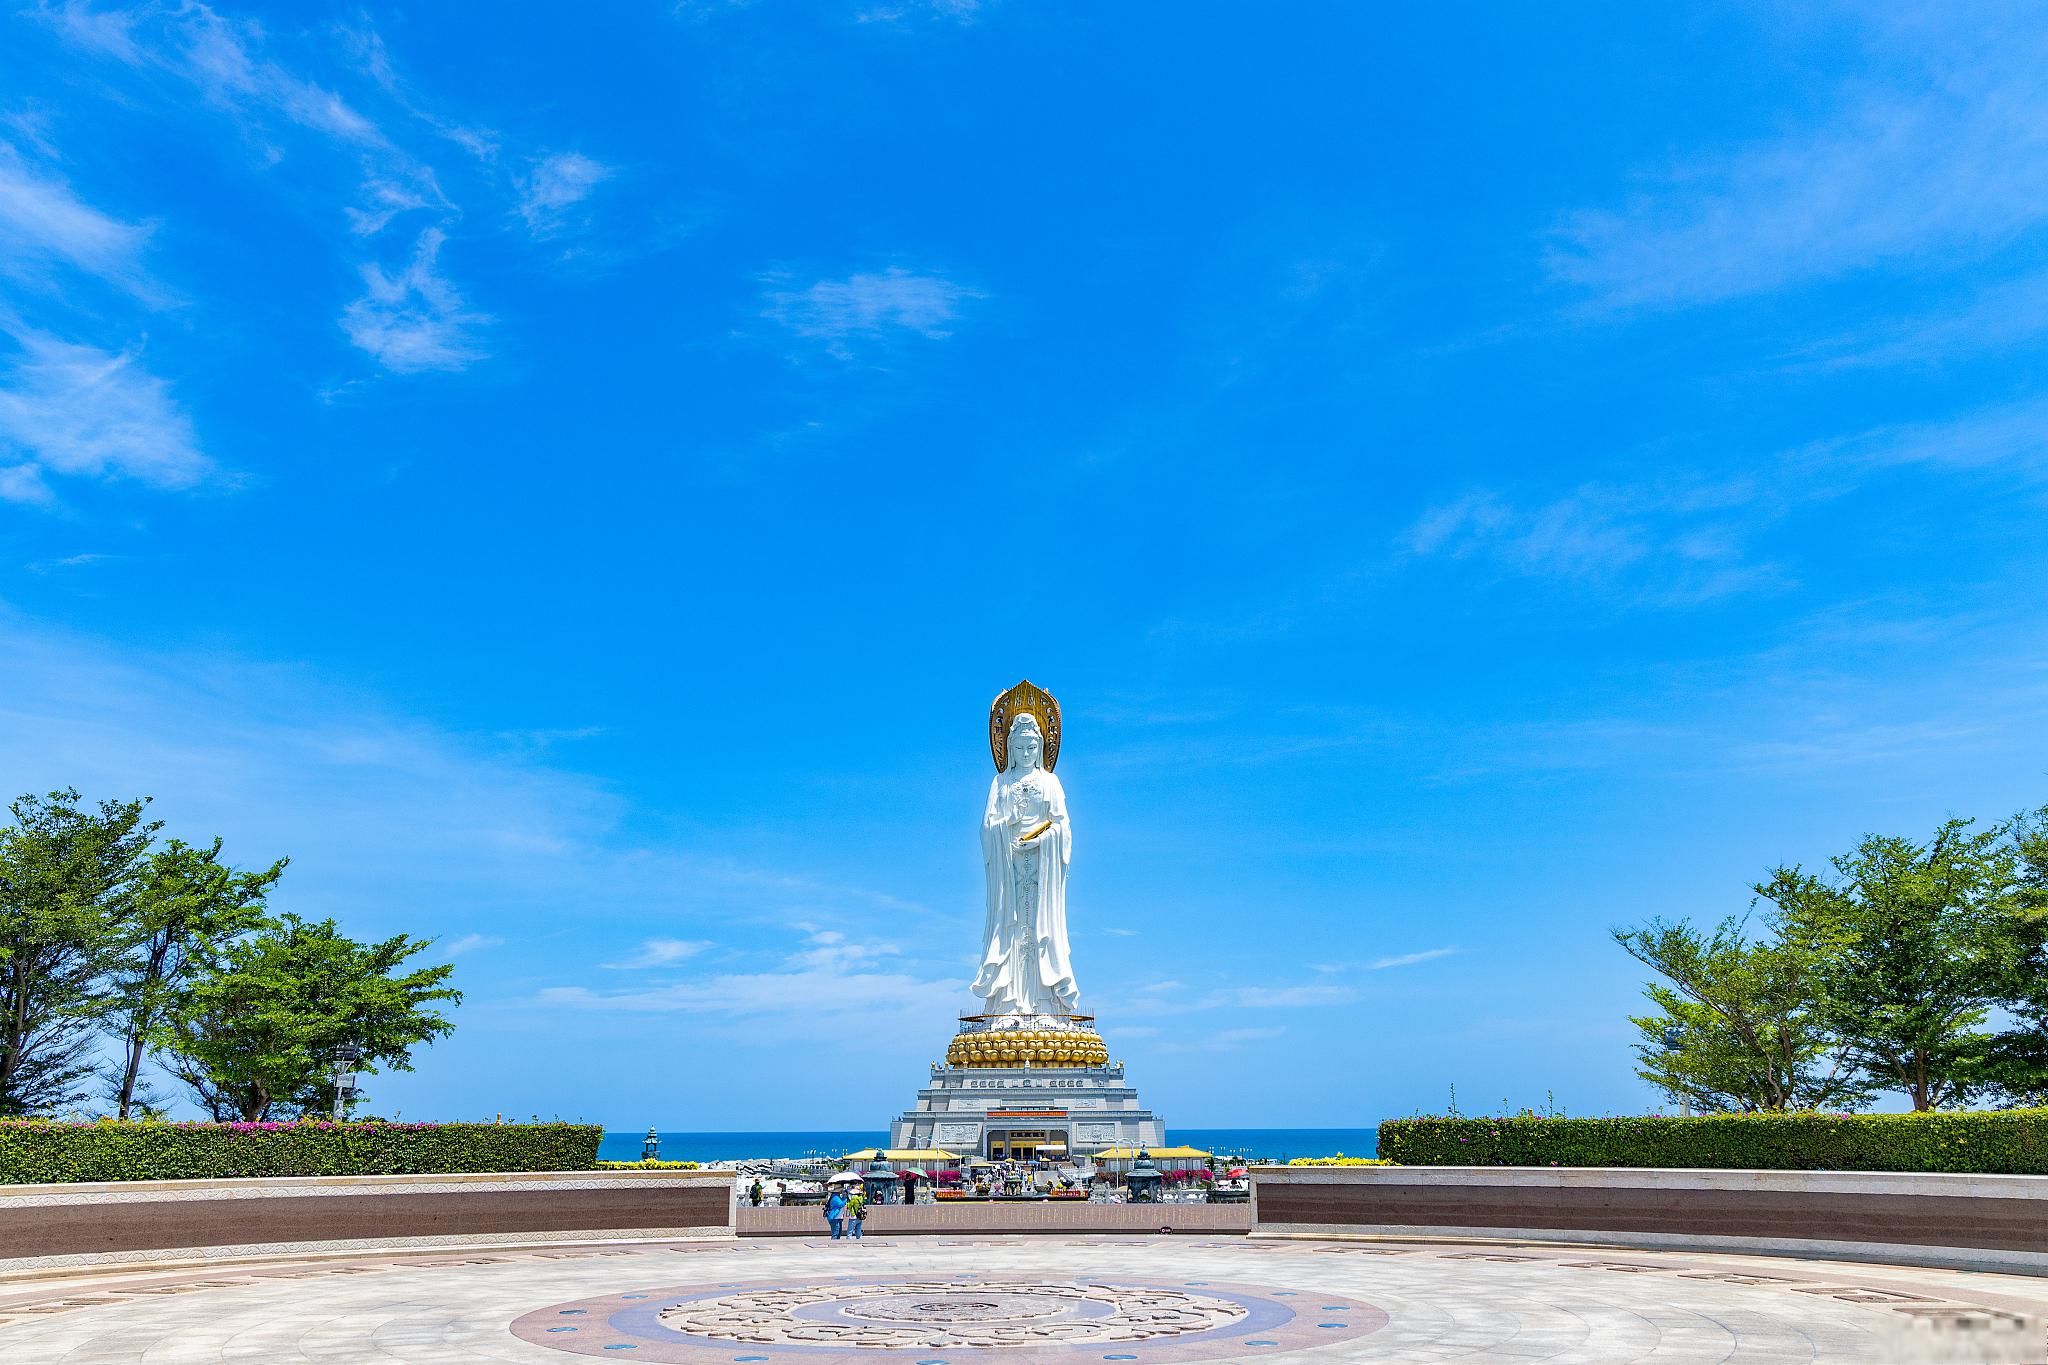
(1026, 844)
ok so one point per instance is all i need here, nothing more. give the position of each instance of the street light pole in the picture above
(345, 1060)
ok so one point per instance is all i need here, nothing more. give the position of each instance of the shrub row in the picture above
(39, 1152)
(2011, 1141)
(1340, 1160)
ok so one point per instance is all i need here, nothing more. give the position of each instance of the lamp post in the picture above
(1673, 1040)
(345, 1059)
(881, 1182)
(1144, 1179)
(650, 1150)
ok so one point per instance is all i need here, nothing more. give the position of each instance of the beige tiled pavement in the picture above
(1446, 1301)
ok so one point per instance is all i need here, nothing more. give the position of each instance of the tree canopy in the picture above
(255, 1033)
(114, 948)
(67, 875)
(1912, 966)
(1736, 1027)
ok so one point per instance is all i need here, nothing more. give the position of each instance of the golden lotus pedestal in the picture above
(1032, 1088)
(1039, 1047)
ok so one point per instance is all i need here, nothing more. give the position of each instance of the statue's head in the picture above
(1027, 743)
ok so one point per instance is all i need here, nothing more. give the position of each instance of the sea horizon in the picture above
(1275, 1143)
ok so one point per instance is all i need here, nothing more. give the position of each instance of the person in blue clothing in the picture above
(835, 1211)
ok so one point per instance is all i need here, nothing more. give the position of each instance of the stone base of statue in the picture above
(1025, 1087)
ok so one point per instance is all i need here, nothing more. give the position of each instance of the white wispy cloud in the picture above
(371, 806)
(222, 58)
(1944, 153)
(1989, 318)
(795, 995)
(901, 11)
(383, 201)
(470, 943)
(76, 411)
(43, 221)
(556, 184)
(827, 978)
(415, 319)
(1381, 964)
(659, 952)
(1671, 545)
(77, 561)
(412, 317)
(2006, 437)
(1279, 997)
(868, 306)
(1166, 998)
(1231, 1036)
(445, 834)
(1222, 1040)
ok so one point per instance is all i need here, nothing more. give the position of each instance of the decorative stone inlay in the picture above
(964, 1318)
(937, 1314)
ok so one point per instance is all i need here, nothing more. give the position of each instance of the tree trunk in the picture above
(17, 1031)
(146, 993)
(131, 1071)
(255, 1103)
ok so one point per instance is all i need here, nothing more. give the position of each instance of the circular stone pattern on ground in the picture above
(952, 1320)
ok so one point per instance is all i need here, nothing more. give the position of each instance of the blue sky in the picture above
(574, 480)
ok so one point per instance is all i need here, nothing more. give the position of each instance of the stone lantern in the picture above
(883, 1185)
(1144, 1179)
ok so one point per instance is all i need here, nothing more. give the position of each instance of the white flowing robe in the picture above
(1025, 964)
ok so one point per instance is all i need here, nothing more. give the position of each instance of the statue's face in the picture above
(1024, 747)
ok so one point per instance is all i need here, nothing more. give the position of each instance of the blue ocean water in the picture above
(1277, 1144)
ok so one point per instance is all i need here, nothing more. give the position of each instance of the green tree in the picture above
(186, 905)
(66, 874)
(254, 1028)
(2019, 1056)
(1735, 1027)
(1914, 945)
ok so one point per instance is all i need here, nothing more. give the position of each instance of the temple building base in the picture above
(1036, 1089)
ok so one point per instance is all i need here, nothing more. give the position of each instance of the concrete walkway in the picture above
(1023, 1301)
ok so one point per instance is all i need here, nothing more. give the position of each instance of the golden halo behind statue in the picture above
(1025, 696)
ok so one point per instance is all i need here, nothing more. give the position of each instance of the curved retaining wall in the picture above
(1970, 1222)
(171, 1219)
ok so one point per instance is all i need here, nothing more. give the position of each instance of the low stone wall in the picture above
(80, 1224)
(1004, 1216)
(1973, 1222)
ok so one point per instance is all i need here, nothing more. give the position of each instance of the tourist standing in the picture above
(857, 1211)
(835, 1213)
(754, 1193)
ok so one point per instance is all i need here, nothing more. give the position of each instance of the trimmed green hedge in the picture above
(2010, 1141)
(33, 1151)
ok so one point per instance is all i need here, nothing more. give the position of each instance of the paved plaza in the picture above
(1022, 1301)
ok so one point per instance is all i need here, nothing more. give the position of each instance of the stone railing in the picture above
(1974, 1222)
(1959, 1221)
